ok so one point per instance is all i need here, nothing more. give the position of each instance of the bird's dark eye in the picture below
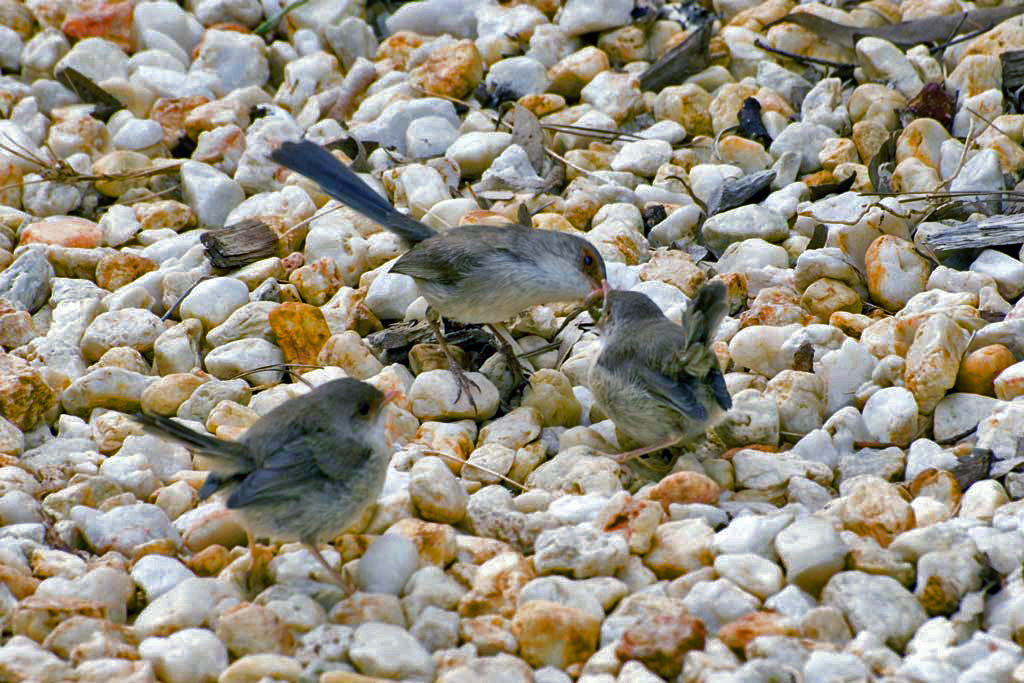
(364, 408)
(588, 260)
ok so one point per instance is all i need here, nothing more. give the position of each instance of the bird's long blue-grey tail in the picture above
(340, 182)
(228, 451)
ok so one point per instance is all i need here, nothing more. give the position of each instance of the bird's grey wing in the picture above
(680, 392)
(447, 258)
(271, 485)
(647, 369)
(287, 472)
(716, 380)
(347, 453)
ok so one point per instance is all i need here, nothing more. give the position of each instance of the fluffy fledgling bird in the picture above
(659, 382)
(304, 471)
(470, 274)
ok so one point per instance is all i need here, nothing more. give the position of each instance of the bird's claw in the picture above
(623, 458)
(520, 375)
(464, 384)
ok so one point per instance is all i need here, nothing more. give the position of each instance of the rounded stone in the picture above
(979, 369)
(213, 300)
(387, 564)
(895, 271)
(890, 415)
(136, 328)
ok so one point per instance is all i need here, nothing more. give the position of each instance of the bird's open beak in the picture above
(597, 294)
(605, 312)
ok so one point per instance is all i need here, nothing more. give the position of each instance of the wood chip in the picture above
(240, 244)
(740, 191)
(1013, 69)
(991, 231)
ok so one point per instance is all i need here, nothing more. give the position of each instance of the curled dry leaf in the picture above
(906, 33)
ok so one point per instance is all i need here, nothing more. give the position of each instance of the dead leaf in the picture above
(523, 216)
(689, 57)
(83, 86)
(906, 33)
(528, 134)
(933, 102)
(652, 215)
(736, 192)
(818, 238)
(750, 124)
(825, 189)
(803, 359)
(877, 171)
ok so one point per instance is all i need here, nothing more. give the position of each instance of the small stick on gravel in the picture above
(465, 463)
(287, 367)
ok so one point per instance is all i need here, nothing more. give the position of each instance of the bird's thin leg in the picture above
(462, 380)
(259, 560)
(511, 351)
(621, 458)
(337, 576)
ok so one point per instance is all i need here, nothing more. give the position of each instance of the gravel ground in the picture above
(855, 517)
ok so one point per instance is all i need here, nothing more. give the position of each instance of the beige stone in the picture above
(979, 368)
(571, 73)
(933, 360)
(680, 547)
(551, 634)
(922, 139)
(877, 509)
(895, 271)
(826, 296)
(689, 105)
(1010, 382)
(452, 70)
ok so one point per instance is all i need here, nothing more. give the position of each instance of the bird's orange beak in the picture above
(390, 397)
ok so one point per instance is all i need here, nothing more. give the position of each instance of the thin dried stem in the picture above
(968, 141)
(590, 174)
(465, 463)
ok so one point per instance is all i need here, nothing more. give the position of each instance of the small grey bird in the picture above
(659, 382)
(471, 274)
(304, 471)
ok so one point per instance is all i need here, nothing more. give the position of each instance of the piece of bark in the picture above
(736, 192)
(991, 231)
(1013, 69)
(394, 341)
(238, 245)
